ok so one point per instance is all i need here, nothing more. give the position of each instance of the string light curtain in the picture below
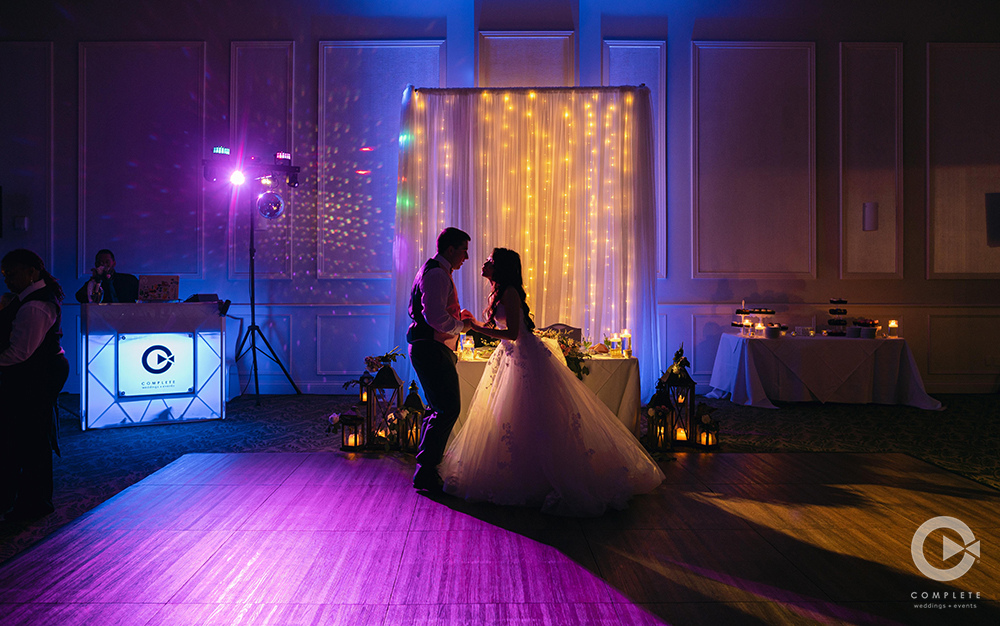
(563, 176)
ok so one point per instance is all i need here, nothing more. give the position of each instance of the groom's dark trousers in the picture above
(434, 363)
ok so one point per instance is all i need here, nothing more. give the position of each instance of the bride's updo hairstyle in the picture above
(506, 273)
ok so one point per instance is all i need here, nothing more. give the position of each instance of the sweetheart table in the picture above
(614, 380)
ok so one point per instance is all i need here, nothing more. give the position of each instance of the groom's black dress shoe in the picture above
(427, 480)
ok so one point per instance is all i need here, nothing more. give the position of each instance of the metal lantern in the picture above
(409, 428)
(365, 383)
(352, 431)
(385, 393)
(706, 430)
(706, 438)
(678, 387)
(658, 426)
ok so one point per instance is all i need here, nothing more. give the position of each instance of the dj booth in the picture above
(151, 363)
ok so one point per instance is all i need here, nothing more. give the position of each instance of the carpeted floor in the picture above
(98, 464)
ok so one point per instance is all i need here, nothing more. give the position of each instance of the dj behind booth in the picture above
(106, 284)
(149, 358)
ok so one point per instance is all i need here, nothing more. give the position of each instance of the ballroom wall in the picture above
(777, 121)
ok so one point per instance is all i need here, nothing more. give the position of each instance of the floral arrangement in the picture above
(486, 347)
(575, 352)
(375, 363)
(658, 410)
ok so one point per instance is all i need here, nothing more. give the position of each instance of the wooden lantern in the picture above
(352, 431)
(411, 424)
(385, 393)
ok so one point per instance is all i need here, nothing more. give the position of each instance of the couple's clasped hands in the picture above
(471, 323)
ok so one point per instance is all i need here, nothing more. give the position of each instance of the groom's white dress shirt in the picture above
(440, 302)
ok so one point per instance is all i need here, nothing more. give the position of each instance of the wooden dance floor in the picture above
(326, 538)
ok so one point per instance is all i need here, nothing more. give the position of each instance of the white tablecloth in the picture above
(754, 372)
(615, 381)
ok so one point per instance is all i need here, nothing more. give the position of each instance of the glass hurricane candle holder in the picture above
(616, 345)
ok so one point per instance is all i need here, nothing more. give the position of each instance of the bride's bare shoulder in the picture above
(510, 297)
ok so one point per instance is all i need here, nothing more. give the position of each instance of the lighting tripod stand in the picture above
(270, 205)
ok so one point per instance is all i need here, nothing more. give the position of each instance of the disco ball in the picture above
(270, 205)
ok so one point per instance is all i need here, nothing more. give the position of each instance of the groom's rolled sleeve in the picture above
(436, 287)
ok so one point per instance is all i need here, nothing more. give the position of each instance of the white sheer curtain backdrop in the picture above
(563, 176)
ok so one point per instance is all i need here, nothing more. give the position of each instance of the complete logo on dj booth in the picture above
(155, 364)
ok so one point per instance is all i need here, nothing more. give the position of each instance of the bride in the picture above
(535, 435)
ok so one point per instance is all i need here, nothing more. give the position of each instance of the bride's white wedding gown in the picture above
(535, 435)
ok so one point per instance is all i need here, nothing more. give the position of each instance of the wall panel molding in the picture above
(963, 132)
(142, 118)
(753, 160)
(626, 62)
(344, 339)
(361, 85)
(526, 59)
(871, 151)
(705, 332)
(261, 122)
(963, 344)
(279, 329)
(26, 146)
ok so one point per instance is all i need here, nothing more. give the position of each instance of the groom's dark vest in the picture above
(420, 330)
(38, 363)
(42, 365)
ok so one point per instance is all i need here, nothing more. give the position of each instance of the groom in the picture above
(433, 335)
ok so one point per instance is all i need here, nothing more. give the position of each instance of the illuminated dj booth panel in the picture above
(152, 363)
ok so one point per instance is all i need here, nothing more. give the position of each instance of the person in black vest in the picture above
(106, 284)
(33, 370)
(433, 335)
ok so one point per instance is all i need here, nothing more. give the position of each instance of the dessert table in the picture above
(757, 371)
(614, 380)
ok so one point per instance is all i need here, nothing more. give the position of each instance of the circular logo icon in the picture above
(948, 548)
(164, 359)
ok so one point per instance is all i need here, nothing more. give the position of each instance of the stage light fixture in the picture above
(237, 178)
(218, 165)
(270, 205)
(292, 180)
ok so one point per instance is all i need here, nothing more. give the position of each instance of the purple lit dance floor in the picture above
(326, 538)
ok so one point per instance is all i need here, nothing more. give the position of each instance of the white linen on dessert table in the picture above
(614, 381)
(755, 372)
